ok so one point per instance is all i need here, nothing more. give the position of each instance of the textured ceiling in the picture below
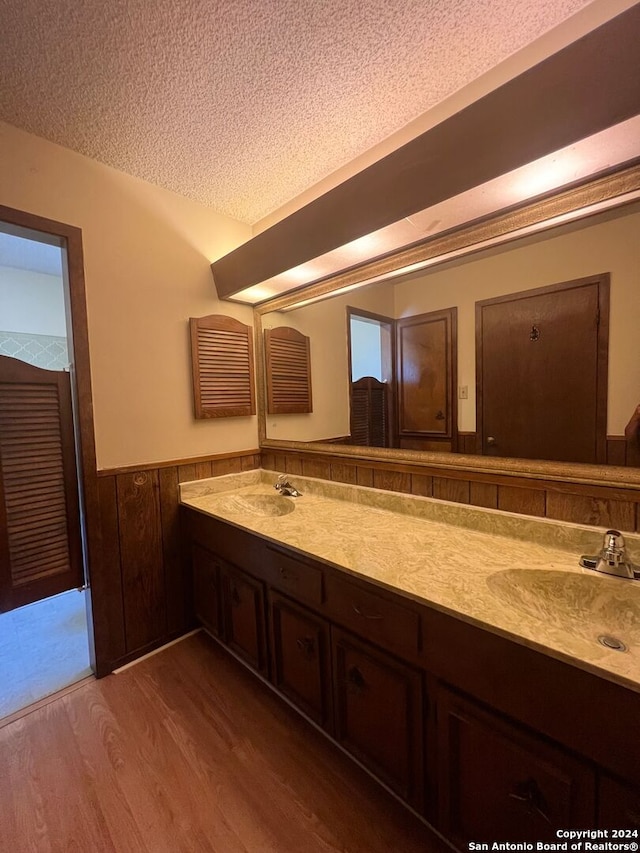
(244, 104)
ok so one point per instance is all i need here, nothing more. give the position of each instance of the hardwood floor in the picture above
(186, 752)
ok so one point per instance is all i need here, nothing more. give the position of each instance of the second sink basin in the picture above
(258, 504)
(585, 604)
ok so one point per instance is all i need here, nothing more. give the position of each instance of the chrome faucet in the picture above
(612, 559)
(285, 488)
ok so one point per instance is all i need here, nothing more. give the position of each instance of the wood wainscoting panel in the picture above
(422, 484)
(145, 583)
(483, 494)
(106, 587)
(316, 468)
(581, 503)
(144, 593)
(522, 500)
(177, 588)
(365, 476)
(344, 473)
(448, 489)
(293, 465)
(584, 509)
(391, 481)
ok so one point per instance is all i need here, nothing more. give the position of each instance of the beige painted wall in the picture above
(611, 246)
(147, 255)
(326, 324)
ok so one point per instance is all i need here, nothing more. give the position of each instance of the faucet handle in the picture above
(281, 482)
(613, 545)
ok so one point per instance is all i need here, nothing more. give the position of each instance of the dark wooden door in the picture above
(496, 782)
(300, 658)
(427, 377)
(244, 612)
(40, 539)
(379, 714)
(541, 362)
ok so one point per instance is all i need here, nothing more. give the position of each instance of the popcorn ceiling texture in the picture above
(243, 104)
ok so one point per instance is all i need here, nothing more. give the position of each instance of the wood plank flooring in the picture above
(187, 752)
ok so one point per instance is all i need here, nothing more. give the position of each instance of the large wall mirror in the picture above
(577, 282)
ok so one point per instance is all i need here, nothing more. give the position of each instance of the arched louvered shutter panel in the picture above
(40, 542)
(288, 369)
(222, 357)
(369, 413)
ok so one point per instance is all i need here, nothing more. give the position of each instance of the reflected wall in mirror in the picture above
(604, 243)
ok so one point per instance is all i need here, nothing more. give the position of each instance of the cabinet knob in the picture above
(355, 680)
(307, 646)
(532, 797)
(286, 575)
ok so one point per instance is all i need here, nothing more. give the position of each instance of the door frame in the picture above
(602, 369)
(69, 239)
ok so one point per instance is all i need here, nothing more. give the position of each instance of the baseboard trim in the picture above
(126, 666)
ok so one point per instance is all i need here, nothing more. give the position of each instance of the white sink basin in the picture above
(258, 504)
(588, 605)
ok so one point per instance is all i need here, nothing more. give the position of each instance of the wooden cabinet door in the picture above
(244, 624)
(619, 807)
(206, 588)
(498, 783)
(300, 659)
(379, 714)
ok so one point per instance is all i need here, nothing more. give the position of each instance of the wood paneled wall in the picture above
(146, 588)
(616, 447)
(599, 505)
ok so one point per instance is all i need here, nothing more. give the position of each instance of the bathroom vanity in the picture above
(452, 651)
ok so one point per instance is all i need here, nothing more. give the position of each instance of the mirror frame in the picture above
(613, 190)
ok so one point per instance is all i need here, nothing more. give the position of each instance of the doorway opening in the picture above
(44, 636)
(371, 373)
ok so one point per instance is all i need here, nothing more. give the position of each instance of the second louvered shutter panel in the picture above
(288, 368)
(222, 355)
(39, 516)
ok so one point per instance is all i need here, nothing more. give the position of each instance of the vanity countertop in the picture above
(517, 576)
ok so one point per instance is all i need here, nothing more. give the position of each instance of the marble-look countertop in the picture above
(517, 576)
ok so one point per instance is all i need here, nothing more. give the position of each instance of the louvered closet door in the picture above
(40, 546)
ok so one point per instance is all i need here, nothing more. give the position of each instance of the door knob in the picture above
(491, 441)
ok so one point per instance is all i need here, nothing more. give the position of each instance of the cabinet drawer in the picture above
(368, 614)
(299, 579)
